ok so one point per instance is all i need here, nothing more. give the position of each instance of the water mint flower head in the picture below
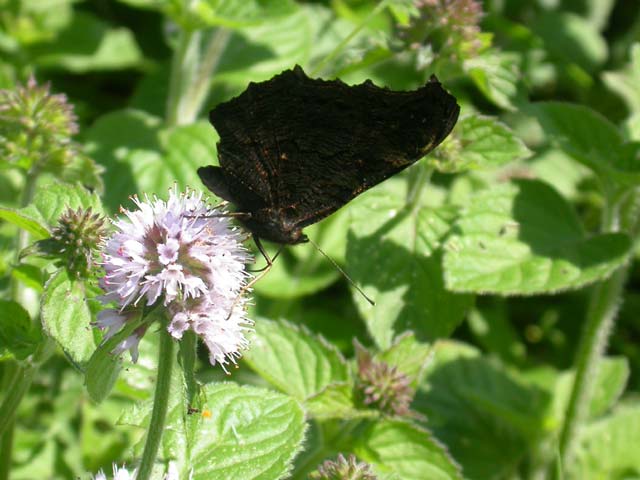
(382, 386)
(343, 469)
(36, 125)
(74, 241)
(183, 255)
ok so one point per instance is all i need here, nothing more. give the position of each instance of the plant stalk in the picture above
(184, 64)
(160, 405)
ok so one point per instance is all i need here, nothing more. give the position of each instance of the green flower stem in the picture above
(601, 314)
(160, 405)
(199, 89)
(184, 66)
(17, 385)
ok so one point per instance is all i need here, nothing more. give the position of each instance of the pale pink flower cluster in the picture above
(187, 256)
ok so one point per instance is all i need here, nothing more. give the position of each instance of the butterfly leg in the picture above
(263, 272)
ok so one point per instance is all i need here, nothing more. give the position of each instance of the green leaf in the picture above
(407, 450)
(251, 433)
(29, 275)
(571, 39)
(66, 316)
(626, 82)
(493, 330)
(35, 226)
(496, 75)
(479, 143)
(259, 52)
(89, 44)
(487, 417)
(613, 373)
(524, 239)
(54, 199)
(336, 401)
(590, 138)
(609, 447)
(241, 13)
(17, 334)
(294, 360)
(393, 254)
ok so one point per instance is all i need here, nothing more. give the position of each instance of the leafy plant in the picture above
(503, 266)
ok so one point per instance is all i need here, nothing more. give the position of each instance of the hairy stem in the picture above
(160, 405)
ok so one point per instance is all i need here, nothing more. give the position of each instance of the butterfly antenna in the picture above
(257, 278)
(344, 274)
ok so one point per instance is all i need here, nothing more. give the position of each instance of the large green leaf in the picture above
(294, 360)
(393, 253)
(626, 82)
(496, 74)
(522, 238)
(590, 138)
(406, 450)
(241, 13)
(66, 316)
(488, 418)
(251, 433)
(89, 44)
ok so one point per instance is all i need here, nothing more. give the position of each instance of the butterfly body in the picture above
(293, 150)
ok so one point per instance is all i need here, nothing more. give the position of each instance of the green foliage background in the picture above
(489, 260)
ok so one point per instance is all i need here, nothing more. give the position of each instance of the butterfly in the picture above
(293, 150)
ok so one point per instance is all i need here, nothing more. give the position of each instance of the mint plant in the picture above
(503, 265)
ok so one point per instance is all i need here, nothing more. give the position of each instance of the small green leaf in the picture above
(609, 447)
(524, 239)
(294, 360)
(89, 44)
(483, 143)
(406, 450)
(393, 254)
(336, 401)
(251, 433)
(487, 417)
(29, 275)
(496, 74)
(409, 355)
(613, 373)
(54, 199)
(17, 333)
(34, 225)
(66, 316)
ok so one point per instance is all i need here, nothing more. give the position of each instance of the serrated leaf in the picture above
(89, 44)
(406, 450)
(608, 447)
(52, 200)
(17, 334)
(590, 138)
(524, 239)
(294, 360)
(487, 417)
(251, 433)
(496, 74)
(66, 316)
(35, 226)
(393, 254)
(483, 142)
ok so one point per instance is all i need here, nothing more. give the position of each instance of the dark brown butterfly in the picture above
(293, 150)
